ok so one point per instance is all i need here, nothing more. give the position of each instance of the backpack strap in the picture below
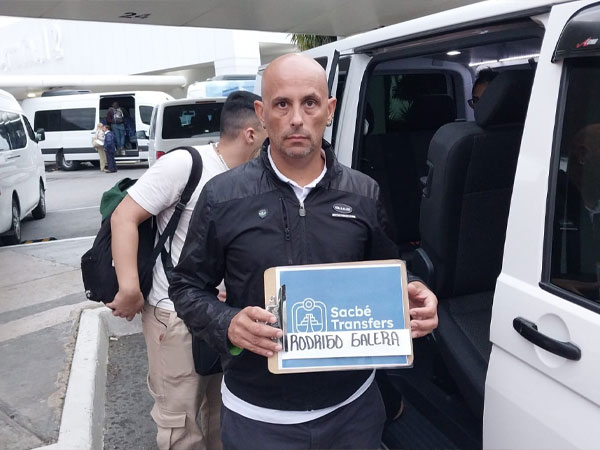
(169, 230)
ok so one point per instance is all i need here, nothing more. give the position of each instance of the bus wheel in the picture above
(64, 164)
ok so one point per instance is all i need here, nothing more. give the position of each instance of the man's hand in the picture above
(423, 309)
(127, 303)
(248, 330)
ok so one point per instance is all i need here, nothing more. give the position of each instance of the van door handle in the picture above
(13, 156)
(529, 331)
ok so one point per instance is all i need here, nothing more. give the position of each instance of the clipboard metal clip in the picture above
(276, 307)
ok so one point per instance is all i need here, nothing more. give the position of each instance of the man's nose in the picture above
(296, 119)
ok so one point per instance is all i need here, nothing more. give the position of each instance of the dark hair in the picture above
(485, 76)
(238, 113)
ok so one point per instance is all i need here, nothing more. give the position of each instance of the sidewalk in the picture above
(41, 300)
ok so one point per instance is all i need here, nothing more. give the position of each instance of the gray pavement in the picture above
(41, 296)
(41, 300)
(128, 425)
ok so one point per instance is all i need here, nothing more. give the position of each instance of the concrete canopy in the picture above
(325, 17)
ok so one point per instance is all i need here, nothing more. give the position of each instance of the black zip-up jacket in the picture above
(248, 220)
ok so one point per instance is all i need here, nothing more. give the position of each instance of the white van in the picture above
(184, 122)
(22, 175)
(69, 122)
(221, 86)
(497, 208)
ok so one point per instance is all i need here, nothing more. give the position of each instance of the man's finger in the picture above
(262, 315)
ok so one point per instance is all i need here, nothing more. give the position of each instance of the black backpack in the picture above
(97, 267)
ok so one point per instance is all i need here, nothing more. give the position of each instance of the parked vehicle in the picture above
(22, 175)
(221, 86)
(184, 122)
(497, 208)
(69, 122)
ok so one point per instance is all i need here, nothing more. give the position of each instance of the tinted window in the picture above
(29, 129)
(576, 224)
(339, 94)
(4, 132)
(12, 131)
(152, 131)
(48, 120)
(78, 119)
(186, 121)
(146, 114)
(65, 119)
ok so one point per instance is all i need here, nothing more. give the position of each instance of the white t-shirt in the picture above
(243, 408)
(158, 190)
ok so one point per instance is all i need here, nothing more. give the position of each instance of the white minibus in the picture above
(22, 175)
(69, 122)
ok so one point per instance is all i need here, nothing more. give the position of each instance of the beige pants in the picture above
(102, 156)
(178, 391)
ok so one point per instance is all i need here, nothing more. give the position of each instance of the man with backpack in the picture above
(115, 118)
(178, 391)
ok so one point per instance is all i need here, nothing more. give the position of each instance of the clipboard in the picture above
(341, 316)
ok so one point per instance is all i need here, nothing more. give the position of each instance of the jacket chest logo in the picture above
(342, 208)
(263, 212)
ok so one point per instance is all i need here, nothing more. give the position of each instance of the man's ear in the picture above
(259, 110)
(331, 108)
(249, 135)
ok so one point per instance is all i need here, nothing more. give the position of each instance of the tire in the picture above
(40, 210)
(13, 236)
(64, 164)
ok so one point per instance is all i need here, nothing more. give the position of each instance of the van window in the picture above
(29, 129)
(152, 130)
(186, 121)
(575, 264)
(344, 65)
(12, 132)
(78, 119)
(65, 119)
(146, 114)
(48, 120)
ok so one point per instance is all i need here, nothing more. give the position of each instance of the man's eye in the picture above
(310, 103)
(282, 104)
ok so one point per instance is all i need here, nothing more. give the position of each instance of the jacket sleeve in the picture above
(381, 245)
(194, 280)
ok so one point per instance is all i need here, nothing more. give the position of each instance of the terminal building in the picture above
(38, 55)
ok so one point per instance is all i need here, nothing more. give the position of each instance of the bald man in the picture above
(277, 211)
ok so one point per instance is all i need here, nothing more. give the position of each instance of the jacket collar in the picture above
(333, 166)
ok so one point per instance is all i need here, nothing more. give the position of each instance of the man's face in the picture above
(295, 107)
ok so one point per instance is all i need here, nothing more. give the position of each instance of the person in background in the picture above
(110, 149)
(98, 143)
(484, 78)
(178, 391)
(116, 117)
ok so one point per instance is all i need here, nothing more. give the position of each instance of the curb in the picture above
(82, 422)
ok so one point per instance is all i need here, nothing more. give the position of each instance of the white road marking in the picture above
(73, 209)
(42, 320)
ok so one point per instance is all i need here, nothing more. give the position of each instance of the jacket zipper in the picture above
(302, 214)
(286, 232)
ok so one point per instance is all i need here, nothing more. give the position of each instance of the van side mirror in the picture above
(141, 134)
(40, 134)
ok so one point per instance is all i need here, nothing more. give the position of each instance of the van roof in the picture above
(77, 97)
(8, 102)
(193, 101)
(444, 21)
